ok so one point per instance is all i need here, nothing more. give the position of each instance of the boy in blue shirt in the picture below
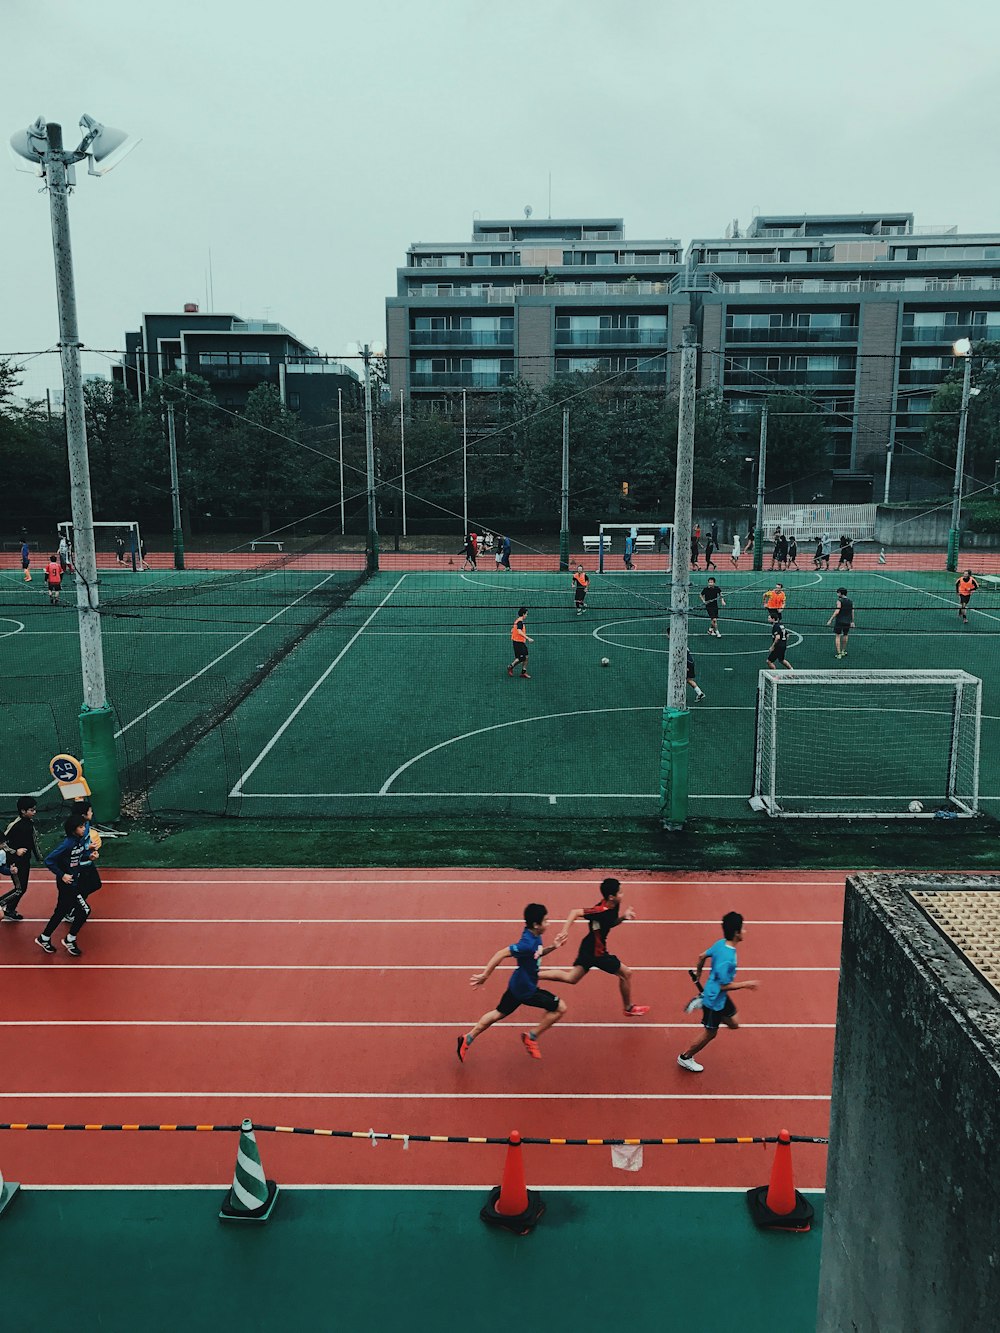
(714, 1001)
(523, 985)
(66, 862)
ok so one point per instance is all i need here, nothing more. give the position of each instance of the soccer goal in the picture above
(867, 744)
(128, 555)
(649, 538)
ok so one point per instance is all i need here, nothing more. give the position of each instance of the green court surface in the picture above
(297, 693)
(419, 1260)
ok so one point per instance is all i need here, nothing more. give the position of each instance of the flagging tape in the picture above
(374, 1136)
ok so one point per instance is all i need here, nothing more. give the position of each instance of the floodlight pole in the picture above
(758, 529)
(372, 548)
(465, 468)
(97, 728)
(956, 492)
(175, 489)
(564, 510)
(340, 433)
(402, 457)
(674, 749)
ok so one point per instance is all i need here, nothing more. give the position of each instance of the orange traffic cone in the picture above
(778, 1206)
(511, 1204)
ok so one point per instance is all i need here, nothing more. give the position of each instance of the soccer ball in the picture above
(916, 807)
(605, 661)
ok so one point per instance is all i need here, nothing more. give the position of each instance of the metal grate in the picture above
(970, 920)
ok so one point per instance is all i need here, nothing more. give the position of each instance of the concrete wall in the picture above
(535, 330)
(876, 376)
(910, 527)
(397, 348)
(911, 1239)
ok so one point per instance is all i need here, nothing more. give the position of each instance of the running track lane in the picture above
(213, 948)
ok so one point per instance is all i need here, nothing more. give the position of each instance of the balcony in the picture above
(504, 295)
(846, 333)
(756, 379)
(610, 337)
(933, 377)
(239, 374)
(461, 338)
(461, 379)
(948, 333)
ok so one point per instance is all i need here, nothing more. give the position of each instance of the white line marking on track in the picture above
(260, 1093)
(434, 921)
(236, 791)
(323, 967)
(479, 1189)
(323, 1023)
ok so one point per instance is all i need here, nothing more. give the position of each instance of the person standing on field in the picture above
(842, 621)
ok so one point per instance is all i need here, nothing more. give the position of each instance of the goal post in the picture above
(867, 744)
(105, 533)
(656, 530)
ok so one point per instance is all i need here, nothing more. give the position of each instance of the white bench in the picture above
(646, 541)
(594, 543)
(262, 542)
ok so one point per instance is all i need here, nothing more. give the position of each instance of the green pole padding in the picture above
(178, 549)
(758, 547)
(100, 762)
(564, 549)
(674, 768)
(372, 552)
(953, 549)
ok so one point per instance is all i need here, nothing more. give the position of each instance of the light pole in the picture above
(963, 348)
(175, 489)
(758, 530)
(372, 545)
(101, 147)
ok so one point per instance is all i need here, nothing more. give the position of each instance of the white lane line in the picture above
(309, 693)
(323, 967)
(390, 921)
(456, 1025)
(242, 879)
(503, 1096)
(493, 795)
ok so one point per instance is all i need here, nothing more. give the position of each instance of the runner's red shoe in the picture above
(531, 1046)
(636, 1010)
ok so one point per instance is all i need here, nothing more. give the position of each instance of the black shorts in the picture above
(538, 999)
(964, 598)
(581, 596)
(711, 1018)
(777, 653)
(712, 610)
(520, 652)
(606, 962)
(841, 627)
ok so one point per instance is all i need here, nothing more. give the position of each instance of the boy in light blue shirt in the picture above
(714, 1001)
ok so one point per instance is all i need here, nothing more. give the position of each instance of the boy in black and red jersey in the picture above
(593, 951)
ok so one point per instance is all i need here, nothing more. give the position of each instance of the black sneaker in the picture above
(12, 914)
(47, 945)
(72, 948)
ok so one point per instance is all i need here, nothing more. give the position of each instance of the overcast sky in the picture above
(305, 145)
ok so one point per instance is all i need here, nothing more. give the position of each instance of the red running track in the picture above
(333, 999)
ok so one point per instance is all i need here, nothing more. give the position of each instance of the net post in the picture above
(952, 558)
(371, 552)
(100, 761)
(674, 768)
(600, 551)
(563, 550)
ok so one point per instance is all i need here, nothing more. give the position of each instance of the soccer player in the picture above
(505, 554)
(53, 579)
(629, 548)
(580, 585)
(793, 552)
(470, 553)
(26, 560)
(695, 550)
(779, 646)
(663, 539)
(699, 693)
(735, 557)
(710, 549)
(965, 586)
(593, 951)
(66, 862)
(715, 1000)
(63, 552)
(711, 596)
(842, 621)
(774, 600)
(19, 836)
(523, 985)
(519, 638)
(120, 547)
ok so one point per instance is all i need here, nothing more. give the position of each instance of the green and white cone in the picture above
(249, 1190)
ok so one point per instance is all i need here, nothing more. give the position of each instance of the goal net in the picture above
(867, 744)
(118, 544)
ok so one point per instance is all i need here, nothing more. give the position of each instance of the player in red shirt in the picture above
(53, 577)
(593, 951)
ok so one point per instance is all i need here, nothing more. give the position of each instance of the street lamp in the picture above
(963, 348)
(102, 147)
(367, 350)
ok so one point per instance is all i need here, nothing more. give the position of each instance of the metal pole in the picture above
(564, 511)
(888, 472)
(370, 458)
(175, 490)
(465, 468)
(402, 457)
(956, 493)
(758, 531)
(674, 752)
(96, 720)
(138, 376)
(340, 431)
(996, 466)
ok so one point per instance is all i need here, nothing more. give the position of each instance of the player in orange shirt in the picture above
(53, 578)
(519, 639)
(965, 587)
(580, 585)
(774, 600)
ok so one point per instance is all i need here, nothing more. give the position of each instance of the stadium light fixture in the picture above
(963, 348)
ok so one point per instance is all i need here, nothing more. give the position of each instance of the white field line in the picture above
(456, 1025)
(236, 791)
(951, 601)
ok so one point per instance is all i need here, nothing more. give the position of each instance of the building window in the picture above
(294, 401)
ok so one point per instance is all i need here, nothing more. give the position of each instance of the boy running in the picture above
(26, 560)
(580, 585)
(714, 1001)
(519, 639)
(66, 862)
(593, 951)
(19, 837)
(711, 596)
(523, 985)
(779, 646)
(793, 553)
(965, 587)
(699, 693)
(842, 621)
(53, 579)
(774, 600)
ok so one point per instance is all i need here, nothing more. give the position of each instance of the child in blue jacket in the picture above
(66, 862)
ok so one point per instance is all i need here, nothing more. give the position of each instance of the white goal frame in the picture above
(767, 795)
(128, 525)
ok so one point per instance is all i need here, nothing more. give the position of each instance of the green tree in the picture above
(797, 446)
(982, 436)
